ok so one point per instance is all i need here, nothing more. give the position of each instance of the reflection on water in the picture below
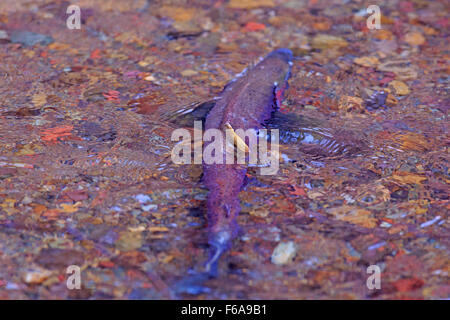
(315, 137)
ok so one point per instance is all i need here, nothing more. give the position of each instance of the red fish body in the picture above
(245, 103)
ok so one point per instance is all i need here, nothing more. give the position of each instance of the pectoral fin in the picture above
(186, 115)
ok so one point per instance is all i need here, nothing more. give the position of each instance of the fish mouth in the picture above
(283, 54)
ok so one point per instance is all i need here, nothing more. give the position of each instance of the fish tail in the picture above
(219, 243)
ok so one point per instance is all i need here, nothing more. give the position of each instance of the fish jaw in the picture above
(248, 101)
(283, 54)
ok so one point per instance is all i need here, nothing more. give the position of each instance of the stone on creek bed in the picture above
(29, 38)
(284, 253)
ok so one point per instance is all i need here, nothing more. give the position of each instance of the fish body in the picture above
(245, 103)
(250, 101)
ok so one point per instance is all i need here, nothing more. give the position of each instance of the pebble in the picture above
(250, 4)
(150, 207)
(325, 41)
(36, 276)
(429, 223)
(385, 224)
(12, 286)
(415, 38)
(367, 61)
(284, 253)
(143, 198)
(129, 241)
(260, 213)
(28, 38)
(3, 35)
(27, 200)
(150, 78)
(384, 34)
(399, 87)
(188, 73)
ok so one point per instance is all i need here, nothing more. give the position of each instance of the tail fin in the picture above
(220, 243)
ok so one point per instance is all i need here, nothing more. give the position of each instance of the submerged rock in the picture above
(325, 41)
(29, 38)
(284, 253)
